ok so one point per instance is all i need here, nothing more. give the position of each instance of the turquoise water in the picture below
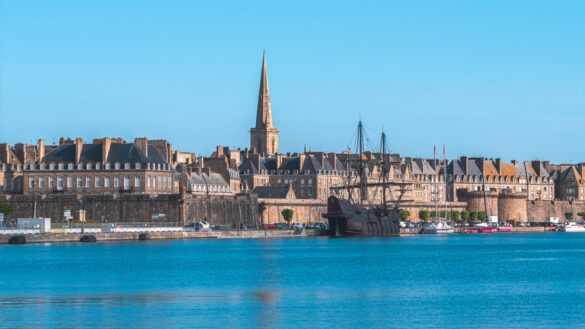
(457, 281)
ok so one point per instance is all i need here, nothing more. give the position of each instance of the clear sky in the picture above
(486, 78)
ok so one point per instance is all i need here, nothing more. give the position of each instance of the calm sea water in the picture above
(489, 281)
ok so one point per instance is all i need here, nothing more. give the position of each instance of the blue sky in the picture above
(486, 78)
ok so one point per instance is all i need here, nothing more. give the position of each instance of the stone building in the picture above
(106, 166)
(569, 181)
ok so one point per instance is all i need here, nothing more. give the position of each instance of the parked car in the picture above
(270, 226)
(283, 226)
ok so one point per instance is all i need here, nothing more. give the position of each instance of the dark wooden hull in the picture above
(346, 220)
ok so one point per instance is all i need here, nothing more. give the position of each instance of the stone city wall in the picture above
(229, 210)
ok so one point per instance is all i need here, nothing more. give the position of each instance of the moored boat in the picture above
(572, 227)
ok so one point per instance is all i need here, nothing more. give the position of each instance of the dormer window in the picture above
(60, 166)
(98, 166)
(52, 166)
(137, 166)
(117, 166)
(42, 166)
(148, 166)
(127, 165)
(70, 166)
(107, 166)
(79, 166)
(32, 167)
(88, 166)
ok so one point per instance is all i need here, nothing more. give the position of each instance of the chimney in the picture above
(219, 151)
(20, 150)
(301, 161)
(278, 161)
(464, 164)
(107, 142)
(41, 149)
(4, 153)
(499, 165)
(333, 160)
(141, 144)
(78, 148)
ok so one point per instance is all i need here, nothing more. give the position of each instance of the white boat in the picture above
(437, 228)
(572, 227)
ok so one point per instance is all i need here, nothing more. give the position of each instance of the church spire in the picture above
(264, 114)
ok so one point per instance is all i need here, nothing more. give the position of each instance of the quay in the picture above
(228, 234)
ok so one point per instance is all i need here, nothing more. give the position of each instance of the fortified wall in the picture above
(510, 205)
(304, 211)
(542, 210)
(228, 210)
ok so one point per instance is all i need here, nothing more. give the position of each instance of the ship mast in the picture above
(384, 173)
(361, 163)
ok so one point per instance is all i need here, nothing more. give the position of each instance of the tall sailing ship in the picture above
(362, 216)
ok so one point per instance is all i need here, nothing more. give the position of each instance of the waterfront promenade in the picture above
(222, 234)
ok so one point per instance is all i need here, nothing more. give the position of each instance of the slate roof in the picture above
(272, 192)
(204, 179)
(121, 153)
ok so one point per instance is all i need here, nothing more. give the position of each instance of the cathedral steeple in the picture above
(264, 114)
(264, 137)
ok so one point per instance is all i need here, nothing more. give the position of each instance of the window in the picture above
(79, 166)
(116, 166)
(60, 182)
(97, 181)
(60, 166)
(126, 182)
(42, 166)
(31, 182)
(69, 181)
(116, 181)
(51, 181)
(127, 165)
(137, 181)
(159, 181)
(137, 165)
(88, 166)
(52, 166)
(310, 182)
(98, 166)
(164, 182)
(107, 181)
(169, 183)
(148, 181)
(70, 166)
(87, 181)
(107, 166)
(153, 181)
(79, 182)
(42, 181)
(309, 192)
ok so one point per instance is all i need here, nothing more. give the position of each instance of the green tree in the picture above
(424, 215)
(404, 214)
(581, 214)
(6, 208)
(472, 216)
(287, 214)
(261, 209)
(465, 215)
(569, 215)
(481, 215)
(433, 214)
(455, 216)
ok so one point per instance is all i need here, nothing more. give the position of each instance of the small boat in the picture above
(437, 228)
(572, 227)
(504, 228)
(487, 229)
(469, 230)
